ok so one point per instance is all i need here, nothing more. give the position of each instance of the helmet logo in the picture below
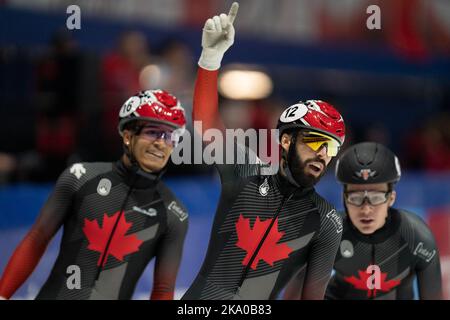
(314, 106)
(365, 174)
(293, 113)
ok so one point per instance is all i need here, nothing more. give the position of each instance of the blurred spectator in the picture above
(57, 120)
(48, 116)
(120, 80)
(429, 147)
(237, 114)
(266, 113)
(174, 71)
(178, 62)
(176, 68)
(413, 28)
(58, 105)
(8, 166)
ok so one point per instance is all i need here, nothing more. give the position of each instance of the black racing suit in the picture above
(265, 232)
(403, 249)
(115, 221)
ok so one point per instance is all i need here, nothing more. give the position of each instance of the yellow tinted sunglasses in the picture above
(315, 140)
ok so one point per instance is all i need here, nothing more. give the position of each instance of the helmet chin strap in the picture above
(289, 176)
(136, 167)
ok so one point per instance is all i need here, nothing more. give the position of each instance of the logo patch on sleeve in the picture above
(178, 211)
(336, 220)
(424, 253)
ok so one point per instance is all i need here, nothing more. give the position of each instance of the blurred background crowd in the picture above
(60, 89)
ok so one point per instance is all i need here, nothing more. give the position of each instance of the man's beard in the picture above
(297, 168)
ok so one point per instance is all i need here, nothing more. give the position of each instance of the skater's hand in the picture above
(217, 38)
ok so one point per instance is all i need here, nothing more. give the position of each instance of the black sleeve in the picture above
(331, 293)
(323, 252)
(53, 214)
(429, 280)
(428, 267)
(294, 288)
(170, 250)
(246, 164)
(58, 206)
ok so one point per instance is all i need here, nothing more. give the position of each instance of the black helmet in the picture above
(368, 162)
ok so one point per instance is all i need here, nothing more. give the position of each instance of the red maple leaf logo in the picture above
(120, 244)
(248, 239)
(363, 284)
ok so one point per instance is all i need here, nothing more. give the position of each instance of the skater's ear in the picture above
(392, 198)
(285, 141)
(126, 137)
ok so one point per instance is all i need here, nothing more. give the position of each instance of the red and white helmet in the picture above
(315, 115)
(157, 106)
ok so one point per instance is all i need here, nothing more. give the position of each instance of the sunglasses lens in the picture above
(333, 148)
(316, 140)
(153, 134)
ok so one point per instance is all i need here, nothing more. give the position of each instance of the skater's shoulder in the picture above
(81, 172)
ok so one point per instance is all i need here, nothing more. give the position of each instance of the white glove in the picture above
(218, 37)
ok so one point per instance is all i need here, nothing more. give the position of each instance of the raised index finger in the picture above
(233, 12)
